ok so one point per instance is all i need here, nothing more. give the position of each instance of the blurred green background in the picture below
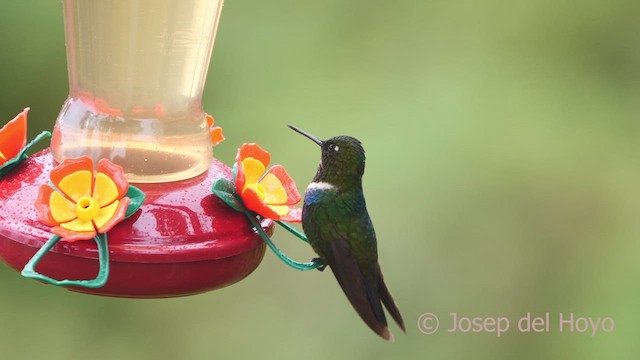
(502, 176)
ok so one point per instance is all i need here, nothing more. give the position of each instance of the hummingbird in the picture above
(339, 230)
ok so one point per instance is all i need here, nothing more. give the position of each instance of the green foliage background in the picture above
(502, 176)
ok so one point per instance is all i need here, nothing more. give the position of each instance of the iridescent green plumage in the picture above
(339, 229)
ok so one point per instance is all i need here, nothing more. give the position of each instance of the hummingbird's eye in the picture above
(333, 147)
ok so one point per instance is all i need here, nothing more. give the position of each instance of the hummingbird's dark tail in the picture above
(388, 301)
(366, 292)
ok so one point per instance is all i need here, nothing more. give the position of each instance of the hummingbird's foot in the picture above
(319, 268)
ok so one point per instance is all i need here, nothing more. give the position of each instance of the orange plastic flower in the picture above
(270, 194)
(13, 137)
(216, 131)
(84, 202)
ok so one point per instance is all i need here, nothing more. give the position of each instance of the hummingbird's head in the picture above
(342, 158)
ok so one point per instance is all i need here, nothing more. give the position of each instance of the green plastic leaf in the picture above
(137, 198)
(22, 155)
(224, 185)
(226, 191)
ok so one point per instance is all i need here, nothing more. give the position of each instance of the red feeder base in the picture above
(182, 241)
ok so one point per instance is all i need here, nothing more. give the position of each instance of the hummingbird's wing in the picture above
(361, 289)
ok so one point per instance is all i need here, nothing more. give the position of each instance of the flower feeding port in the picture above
(136, 76)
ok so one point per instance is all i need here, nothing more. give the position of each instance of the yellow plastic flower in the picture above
(84, 202)
(270, 193)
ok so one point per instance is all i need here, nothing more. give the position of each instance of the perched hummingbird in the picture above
(338, 227)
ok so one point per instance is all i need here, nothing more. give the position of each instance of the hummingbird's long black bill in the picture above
(313, 138)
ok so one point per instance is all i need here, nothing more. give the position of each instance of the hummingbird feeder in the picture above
(137, 70)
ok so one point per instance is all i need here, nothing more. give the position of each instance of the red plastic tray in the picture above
(182, 241)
